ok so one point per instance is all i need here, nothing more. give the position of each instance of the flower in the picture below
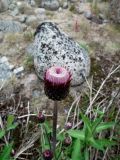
(41, 117)
(67, 141)
(68, 126)
(57, 83)
(47, 155)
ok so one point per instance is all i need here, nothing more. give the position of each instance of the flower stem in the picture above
(54, 126)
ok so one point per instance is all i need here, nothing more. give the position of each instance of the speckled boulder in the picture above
(53, 47)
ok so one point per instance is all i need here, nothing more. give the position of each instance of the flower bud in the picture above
(67, 141)
(41, 117)
(47, 155)
(68, 125)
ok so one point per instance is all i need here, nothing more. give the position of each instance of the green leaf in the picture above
(87, 124)
(106, 142)
(96, 144)
(12, 126)
(5, 155)
(2, 133)
(76, 153)
(10, 120)
(96, 123)
(99, 112)
(77, 134)
(47, 127)
(104, 125)
(86, 154)
(45, 142)
(61, 136)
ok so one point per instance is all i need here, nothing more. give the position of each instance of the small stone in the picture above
(101, 16)
(15, 12)
(60, 9)
(11, 66)
(40, 11)
(4, 59)
(88, 15)
(50, 5)
(12, 7)
(105, 21)
(36, 94)
(65, 5)
(23, 19)
(18, 71)
(31, 20)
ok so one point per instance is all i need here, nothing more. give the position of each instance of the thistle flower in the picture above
(41, 117)
(67, 141)
(47, 155)
(68, 126)
(57, 82)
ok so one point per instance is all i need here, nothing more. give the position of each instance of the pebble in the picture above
(19, 70)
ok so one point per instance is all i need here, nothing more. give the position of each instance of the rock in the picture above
(53, 47)
(23, 19)
(32, 21)
(31, 2)
(30, 83)
(11, 67)
(4, 59)
(40, 13)
(60, 9)
(12, 7)
(15, 12)
(73, 1)
(80, 8)
(18, 71)
(4, 4)
(1, 37)
(115, 10)
(101, 16)
(105, 21)
(10, 26)
(65, 5)
(50, 5)
(5, 72)
(88, 15)
(24, 8)
(38, 2)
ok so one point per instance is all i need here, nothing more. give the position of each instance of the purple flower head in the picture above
(47, 155)
(41, 117)
(68, 125)
(57, 83)
(67, 141)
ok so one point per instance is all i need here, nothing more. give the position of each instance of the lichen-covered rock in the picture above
(115, 10)
(49, 5)
(53, 47)
(10, 26)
